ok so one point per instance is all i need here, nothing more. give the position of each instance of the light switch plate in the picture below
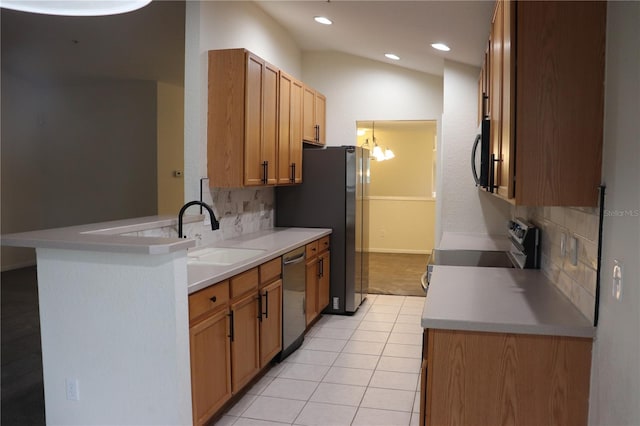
(573, 250)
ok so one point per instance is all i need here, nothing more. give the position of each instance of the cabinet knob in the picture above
(213, 299)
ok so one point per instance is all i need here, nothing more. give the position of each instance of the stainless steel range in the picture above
(524, 252)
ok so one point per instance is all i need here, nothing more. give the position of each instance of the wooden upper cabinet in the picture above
(290, 131)
(314, 116)
(560, 102)
(242, 119)
(546, 88)
(495, 83)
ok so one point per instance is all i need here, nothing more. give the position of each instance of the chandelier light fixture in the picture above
(377, 152)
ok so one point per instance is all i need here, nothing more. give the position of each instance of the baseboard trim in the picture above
(398, 251)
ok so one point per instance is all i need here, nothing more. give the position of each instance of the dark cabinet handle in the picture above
(213, 299)
(317, 127)
(320, 268)
(292, 179)
(265, 171)
(231, 326)
(259, 299)
(266, 304)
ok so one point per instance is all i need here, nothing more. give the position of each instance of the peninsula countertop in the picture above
(500, 300)
(108, 237)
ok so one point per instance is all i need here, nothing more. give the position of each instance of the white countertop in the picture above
(501, 300)
(468, 241)
(275, 242)
(105, 236)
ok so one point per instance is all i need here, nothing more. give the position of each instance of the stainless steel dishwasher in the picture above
(293, 294)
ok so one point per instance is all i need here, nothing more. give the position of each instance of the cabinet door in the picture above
(320, 116)
(311, 293)
(270, 122)
(284, 136)
(308, 118)
(507, 119)
(244, 341)
(253, 167)
(495, 82)
(210, 365)
(324, 280)
(271, 322)
(296, 130)
(290, 133)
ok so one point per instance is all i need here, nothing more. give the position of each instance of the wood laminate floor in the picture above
(396, 273)
(22, 385)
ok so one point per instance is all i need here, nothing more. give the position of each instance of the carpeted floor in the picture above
(396, 273)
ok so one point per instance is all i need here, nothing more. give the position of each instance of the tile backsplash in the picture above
(239, 211)
(577, 282)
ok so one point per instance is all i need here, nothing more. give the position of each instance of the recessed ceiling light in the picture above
(392, 56)
(323, 20)
(75, 8)
(441, 46)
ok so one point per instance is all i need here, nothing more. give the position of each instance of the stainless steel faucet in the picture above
(214, 222)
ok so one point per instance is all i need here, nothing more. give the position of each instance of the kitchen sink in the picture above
(221, 255)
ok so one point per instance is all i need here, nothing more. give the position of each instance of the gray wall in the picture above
(615, 393)
(75, 153)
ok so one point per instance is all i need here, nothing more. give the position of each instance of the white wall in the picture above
(359, 89)
(118, 324)
(223, 25)
(460, 206)
(616, 359)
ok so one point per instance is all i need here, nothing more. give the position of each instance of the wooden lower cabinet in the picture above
(318, 278)
(324, 280)
(235, 331)
(245, 362)
(270, 322)
(210, 365)
(311, 292)
(479, 378)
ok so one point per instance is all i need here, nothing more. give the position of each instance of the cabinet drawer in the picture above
(244, 282)
(208, 300)
(323, 244)
(270, 270)
(311, 249)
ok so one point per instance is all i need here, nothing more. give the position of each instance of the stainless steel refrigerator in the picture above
(333, 194)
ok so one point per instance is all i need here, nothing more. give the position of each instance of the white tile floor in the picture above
(351, 370)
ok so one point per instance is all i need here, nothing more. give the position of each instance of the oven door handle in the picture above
(423, 280)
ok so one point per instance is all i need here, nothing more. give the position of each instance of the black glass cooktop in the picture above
(496, 259)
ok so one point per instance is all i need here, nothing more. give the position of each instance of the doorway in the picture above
(401, 202)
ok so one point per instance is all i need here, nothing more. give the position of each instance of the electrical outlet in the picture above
(573, 250)
(73, 389)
